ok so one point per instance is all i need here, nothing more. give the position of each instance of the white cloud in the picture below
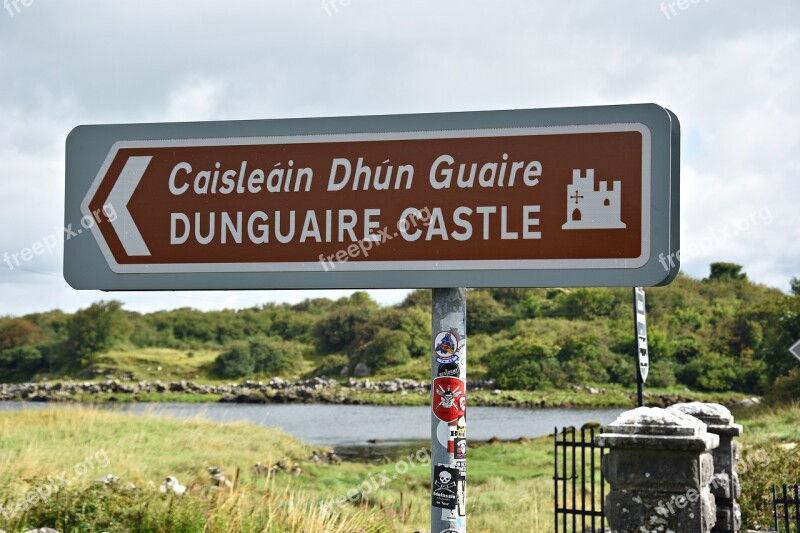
(196, 99)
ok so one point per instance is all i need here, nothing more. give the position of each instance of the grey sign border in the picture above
(88, 147)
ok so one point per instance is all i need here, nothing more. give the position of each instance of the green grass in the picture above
(510, 484)
(165, 364)
(770, 456)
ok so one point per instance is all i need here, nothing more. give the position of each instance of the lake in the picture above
(348, 428)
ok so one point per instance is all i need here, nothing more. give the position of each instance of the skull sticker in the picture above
(449, 398)
(445, 486)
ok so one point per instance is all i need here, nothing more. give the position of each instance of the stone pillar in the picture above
(725, 484)
(659, 469)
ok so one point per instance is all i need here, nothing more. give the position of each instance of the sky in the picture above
(727, 68)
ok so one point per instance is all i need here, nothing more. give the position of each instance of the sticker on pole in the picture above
(445, 486)
(449, 399)
(451, 370)
(460, 451)
(445, 346)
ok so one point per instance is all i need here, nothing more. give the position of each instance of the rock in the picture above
(261, 470)
(218, 478)
(747, 402)
(172, 486)
(361, 370)
(315, 458)
(42, 530)
(333, 458)
(108, 479)
(344, 372)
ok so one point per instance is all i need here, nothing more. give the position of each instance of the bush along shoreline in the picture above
(323, 390)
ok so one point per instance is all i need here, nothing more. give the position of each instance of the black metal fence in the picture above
(580, 488)
(786, 509)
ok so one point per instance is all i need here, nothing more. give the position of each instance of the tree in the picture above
(418, 298)
(795, 285)
(723, 271)
(485, 314)
(19, 332)
(93, 330)
(338, 330)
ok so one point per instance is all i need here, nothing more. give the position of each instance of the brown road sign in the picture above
(387, 208)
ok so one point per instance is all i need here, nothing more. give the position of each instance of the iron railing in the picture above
(786, 509)
(578, 480)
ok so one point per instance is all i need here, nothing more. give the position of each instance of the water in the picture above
(349, 428)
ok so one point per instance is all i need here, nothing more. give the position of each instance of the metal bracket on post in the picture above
(449, 411)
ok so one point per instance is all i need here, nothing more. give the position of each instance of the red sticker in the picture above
(449, 398)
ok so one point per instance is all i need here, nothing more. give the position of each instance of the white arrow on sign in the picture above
(795, 350)
(121, 193)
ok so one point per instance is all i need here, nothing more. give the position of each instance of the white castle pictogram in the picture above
(591, 209)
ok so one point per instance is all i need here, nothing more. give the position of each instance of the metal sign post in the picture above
(449, 410)
(642, 352)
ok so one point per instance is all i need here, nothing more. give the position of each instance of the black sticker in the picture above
(445, 486)
(450, 370)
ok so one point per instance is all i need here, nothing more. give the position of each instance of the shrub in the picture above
(331, 365)
(711, 372)
(485, 314)
(522, 364)
(760, 469)
(387, 348)
(236, 362)
(273, 355)
(21, 362)
(786, 389)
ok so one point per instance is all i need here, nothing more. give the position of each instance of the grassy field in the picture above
(161, 363)
(770, 455)
(510, 484)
